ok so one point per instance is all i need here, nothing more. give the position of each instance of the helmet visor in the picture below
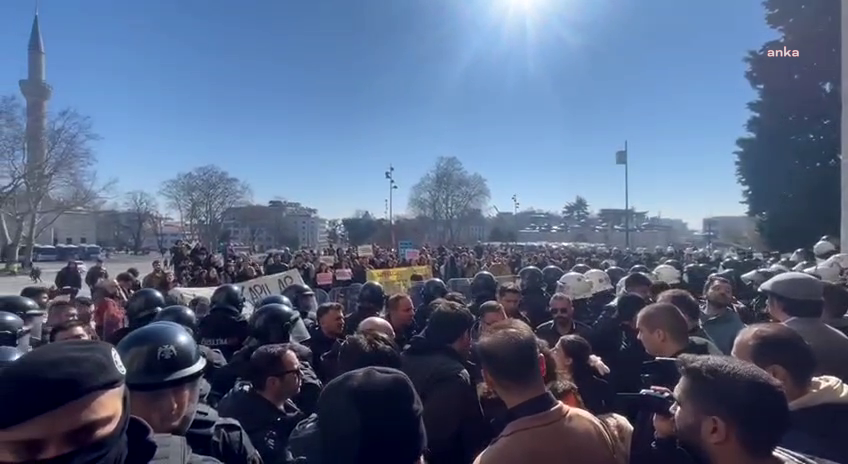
(299, 333)
(307, 304)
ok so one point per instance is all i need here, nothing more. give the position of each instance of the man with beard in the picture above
(725, 411)
(401, 314)
(509, 296)
(562, 321)
(719, 319)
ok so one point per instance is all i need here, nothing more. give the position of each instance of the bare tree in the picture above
(157, 226)
(141, 208)
(64, 180)
(448, 193)
(202, 196)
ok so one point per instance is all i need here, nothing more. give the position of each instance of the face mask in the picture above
(110, 450)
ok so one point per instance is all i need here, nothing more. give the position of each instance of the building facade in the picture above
(276, 225)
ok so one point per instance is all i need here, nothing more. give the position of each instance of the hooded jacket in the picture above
(819, 420)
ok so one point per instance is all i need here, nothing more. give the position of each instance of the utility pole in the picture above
(621, 157)
(515, 204)
(390, 176)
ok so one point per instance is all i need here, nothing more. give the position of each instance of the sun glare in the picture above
(524, 6)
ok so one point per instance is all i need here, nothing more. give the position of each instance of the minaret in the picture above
(36, 91)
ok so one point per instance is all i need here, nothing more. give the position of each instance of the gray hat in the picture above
(795, 286)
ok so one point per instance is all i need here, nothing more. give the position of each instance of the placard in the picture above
(365, 251)
(324, 278)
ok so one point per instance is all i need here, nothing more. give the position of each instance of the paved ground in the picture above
(115, 264)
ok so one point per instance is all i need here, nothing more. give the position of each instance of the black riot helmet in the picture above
(143, 306)
(8, 355)
(160, 355)
(302, 298)
(278, 299)
(182, 315)
(551, 275)
(13, 332)
(674, 263)
(581, 268)
(433, 290)
(372, 295)
(484, 287)
(228, 296)
(730, 263)
(640, 268)
(276, 323)
(19, 305)
(531, 278)
(615, 274)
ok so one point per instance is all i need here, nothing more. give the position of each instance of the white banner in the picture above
(253, 290)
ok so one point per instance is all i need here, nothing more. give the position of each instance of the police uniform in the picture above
(84, 367)
(163, 355)
(221, 437)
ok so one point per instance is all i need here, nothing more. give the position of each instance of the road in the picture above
(116, 264)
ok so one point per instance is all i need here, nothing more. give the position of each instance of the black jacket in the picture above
(219, 437)
(456, 428)
(267, 426)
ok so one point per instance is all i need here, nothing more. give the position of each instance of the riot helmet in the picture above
(551, 275)
(19, 305)
(674, 263)
(13, 331)
(143, 305)
(182, 315)
(580, 268)
(276, 323)
(8, 355)
(798, 256)
(531, 278)
(303, 299)
(229, 296)
(433, 290)
(278, 299)
(372, 295)
(730, 263)
(160, 355)
(484, 287)
(640, 268)
(615, 274)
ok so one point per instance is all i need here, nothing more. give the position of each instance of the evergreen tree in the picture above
(789, 164)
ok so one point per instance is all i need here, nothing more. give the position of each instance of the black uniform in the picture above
(371, 301)
(141, 309)
(222, 437)
(163, 355)
(268, 426)
(224, 328)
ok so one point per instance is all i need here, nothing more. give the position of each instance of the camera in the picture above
(651, 401)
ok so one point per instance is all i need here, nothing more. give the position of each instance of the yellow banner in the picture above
(397, 280)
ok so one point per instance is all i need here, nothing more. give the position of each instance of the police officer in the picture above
(83, 370)
(185, 316)
(432, 290)
(370, 303)
(484, 287)
(534, 299)
(32, 316)
(141, 308)
(164, 368)
(13, 332)
(551, 275)
(224, 328)
(302, 298)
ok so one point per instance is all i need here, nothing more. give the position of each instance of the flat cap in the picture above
(54, 375)
(795, 286)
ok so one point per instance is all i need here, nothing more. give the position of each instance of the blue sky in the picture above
(312, 100)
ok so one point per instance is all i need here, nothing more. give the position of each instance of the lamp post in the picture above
(390, 176)
(621, 158)
(515, 204)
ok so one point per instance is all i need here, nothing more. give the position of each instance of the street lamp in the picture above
(621, 158)
(390, 176)
(515, 204)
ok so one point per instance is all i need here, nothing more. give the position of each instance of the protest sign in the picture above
(324, 278)
(411, 254)
(328, 260)
(397, 280)
(365, 251)
(344, 274)
(253, 290)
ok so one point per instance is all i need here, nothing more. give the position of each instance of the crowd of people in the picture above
(592, 355)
